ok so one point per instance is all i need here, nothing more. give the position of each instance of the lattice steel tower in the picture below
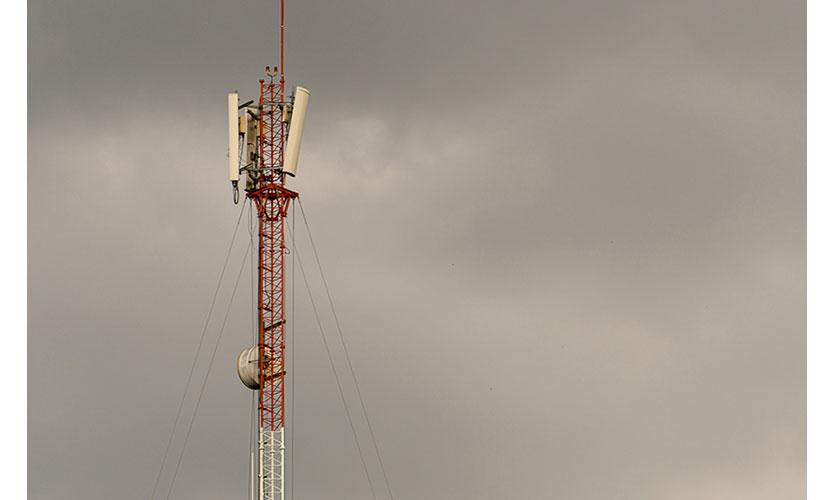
(264, 145)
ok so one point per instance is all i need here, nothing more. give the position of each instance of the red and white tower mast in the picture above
(271, 135)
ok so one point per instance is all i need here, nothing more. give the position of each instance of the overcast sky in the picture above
(565, 240)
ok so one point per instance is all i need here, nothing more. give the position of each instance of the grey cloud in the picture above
(566, 242)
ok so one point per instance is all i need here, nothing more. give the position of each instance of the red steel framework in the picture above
(272, 200)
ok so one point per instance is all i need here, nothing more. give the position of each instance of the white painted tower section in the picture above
(271, 461)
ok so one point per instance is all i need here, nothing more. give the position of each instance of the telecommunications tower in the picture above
(264, 142)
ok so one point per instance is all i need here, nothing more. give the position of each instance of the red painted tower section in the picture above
(272, 200)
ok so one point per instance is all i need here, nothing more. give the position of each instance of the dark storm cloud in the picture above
(566, 241)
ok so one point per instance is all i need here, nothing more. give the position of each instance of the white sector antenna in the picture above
(234, 154)
(299, 110)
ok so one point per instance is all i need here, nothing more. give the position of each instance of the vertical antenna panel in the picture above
(299, 110)
(251, 143)
(233, 138)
